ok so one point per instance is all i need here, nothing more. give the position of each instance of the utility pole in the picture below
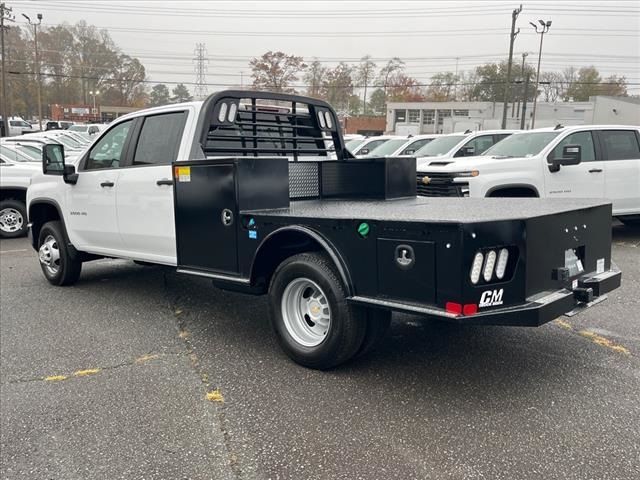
(524, 101)
(545, 28)
(512, 39)
(37, 67)
(524, 56)
(5, 15)
(200, 91)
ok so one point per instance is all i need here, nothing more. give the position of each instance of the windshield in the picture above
(78, 128)
(67, 142)
(32, 152)
(353, 144)
(14, 155)
(387, 148)
(522, 144)
(439, 146)
(19, 123)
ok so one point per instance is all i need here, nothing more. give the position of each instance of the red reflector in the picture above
(453, 307)
(470, 309)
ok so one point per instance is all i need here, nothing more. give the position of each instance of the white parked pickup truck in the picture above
(16, 169)
(596, 161)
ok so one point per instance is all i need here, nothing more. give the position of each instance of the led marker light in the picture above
(501, 268)
(488, 266)
(476, 268)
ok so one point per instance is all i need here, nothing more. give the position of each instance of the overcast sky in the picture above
(428, 35)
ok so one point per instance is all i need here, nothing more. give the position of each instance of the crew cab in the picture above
(586, 161)
(251, 200)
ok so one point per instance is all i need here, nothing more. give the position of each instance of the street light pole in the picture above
(38, 76)
(5, 15)
(544, 29)
(94, 93)
(512, 38)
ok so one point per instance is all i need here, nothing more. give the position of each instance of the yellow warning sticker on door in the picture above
(183, 174)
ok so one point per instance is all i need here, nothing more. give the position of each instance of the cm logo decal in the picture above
(491, 298)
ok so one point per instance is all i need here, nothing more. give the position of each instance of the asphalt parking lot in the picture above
(137, 372)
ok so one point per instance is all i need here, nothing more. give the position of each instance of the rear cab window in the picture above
(160, 138)
(620, 144)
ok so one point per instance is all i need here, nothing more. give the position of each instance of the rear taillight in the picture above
(490, 265)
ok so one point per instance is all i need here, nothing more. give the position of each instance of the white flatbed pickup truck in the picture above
(587, 161)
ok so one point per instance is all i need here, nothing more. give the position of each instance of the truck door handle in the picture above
(107, 184)
(164, 181)
(595, 170)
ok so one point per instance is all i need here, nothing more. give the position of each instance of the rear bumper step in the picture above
(537, 311)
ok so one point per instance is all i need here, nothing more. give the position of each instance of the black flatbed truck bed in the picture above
(253, 215)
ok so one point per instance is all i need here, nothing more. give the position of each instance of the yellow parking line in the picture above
(604, 342)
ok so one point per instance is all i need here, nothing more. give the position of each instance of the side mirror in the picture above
(409, 152)
(364, 151)
(571, 155)
(53, 159)
(53, 163)
(468, 151)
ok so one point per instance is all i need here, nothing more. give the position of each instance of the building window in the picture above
(428, 117)
(401, 116)
(414, 116)
(442, 114)
(461, 113)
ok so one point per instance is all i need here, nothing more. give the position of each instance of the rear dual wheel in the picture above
(312, 320)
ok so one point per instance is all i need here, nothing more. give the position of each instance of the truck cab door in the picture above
(585, 180)
(621, 152)
(145, 188)
(91, 202)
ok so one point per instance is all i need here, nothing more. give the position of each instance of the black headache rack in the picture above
(261, 185)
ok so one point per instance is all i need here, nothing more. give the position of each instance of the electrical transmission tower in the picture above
(200, 60)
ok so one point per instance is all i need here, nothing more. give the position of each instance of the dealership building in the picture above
(446, 117)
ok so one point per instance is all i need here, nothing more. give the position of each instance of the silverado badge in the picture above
(426, 180)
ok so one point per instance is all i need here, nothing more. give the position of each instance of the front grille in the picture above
(439, 185)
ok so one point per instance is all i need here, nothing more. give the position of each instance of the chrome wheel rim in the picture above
(49, 255)
(11, 220)
(306, 312)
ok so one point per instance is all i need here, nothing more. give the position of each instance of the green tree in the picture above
(355, 105)
(377, 102)
(181, 94)
(276, 71)
(159, 95)
(587, 84)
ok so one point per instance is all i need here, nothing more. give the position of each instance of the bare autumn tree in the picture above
(392, 67)
(442, 87)
(402, 88)
(313, 77)
(337, 87)
(365, 73)
(276, 71)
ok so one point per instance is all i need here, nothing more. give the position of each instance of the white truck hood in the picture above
(448, 164)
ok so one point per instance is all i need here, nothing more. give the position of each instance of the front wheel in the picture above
(58, 265)
(13, 219)
(312, 320)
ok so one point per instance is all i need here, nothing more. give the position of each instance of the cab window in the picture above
(160, 139)
(479, 144)
(620, 144)
(584, 139)
(108, 151)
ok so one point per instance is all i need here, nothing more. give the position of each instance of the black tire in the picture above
(378, 322)
(68, 268)
(347, 326)
(13, 211)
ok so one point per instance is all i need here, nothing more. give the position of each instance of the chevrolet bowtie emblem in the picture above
(426, 180)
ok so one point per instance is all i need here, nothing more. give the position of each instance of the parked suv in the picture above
(596, 161)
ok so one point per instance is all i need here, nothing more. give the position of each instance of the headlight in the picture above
(471, 173)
